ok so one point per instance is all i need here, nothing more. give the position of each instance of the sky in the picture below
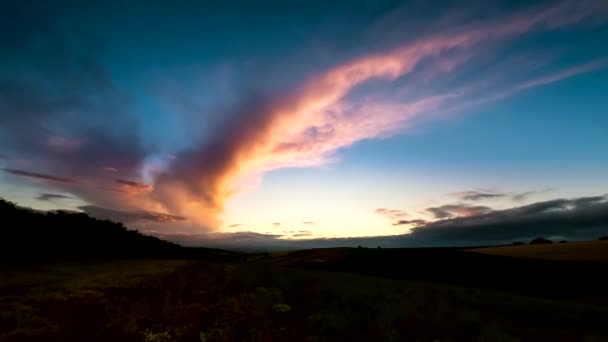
(310, 123)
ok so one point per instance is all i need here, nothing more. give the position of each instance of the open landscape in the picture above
(290, 298)
(314, 171)
(358, 294)
(583, 251)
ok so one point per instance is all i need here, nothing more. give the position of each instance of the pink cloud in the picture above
(61, 144)
(306, 126)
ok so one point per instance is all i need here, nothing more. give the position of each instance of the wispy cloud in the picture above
(458, 210)
(128, 217)
(477, 195)
(305, 126)
(414, 223)
(597, 64)
(302, 125)
(50, 197)
(42, 176)
(132, 187)
(392, 214)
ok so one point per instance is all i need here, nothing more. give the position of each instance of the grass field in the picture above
(281, 298)
(586, 250)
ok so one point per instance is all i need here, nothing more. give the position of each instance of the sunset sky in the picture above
(269, 122)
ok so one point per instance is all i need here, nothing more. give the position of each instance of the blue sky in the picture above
(302, 120)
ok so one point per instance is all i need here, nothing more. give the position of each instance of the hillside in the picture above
(37, 235)
(582, 251)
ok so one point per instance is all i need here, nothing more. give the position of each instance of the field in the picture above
(586, 250)
(314, 295)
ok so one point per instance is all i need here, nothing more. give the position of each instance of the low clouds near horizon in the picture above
(583, 218)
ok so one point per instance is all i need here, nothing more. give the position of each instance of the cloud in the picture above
(50, 197)
(476, 195)
(597, 64)
(309, 222)
(276, 224)
(302, 125)
(46, 177)
(410, 222)
(306, 124)
(3, 156)
(571, 219)
(132, 187)
(236, 225)
(392, 214)
(577, 218)
(63, 145)
(457, 210)
(129, 217)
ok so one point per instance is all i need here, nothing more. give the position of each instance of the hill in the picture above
(585, 250)
(38, 235)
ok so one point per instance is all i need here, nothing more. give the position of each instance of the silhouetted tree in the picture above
(604, 238)
(517, 243)
(540, 241)
(563, 241)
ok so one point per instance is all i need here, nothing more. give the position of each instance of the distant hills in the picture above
(28, 234)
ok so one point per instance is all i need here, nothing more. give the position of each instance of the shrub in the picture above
(540, 241)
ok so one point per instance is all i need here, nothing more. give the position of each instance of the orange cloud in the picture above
(132, 188)
(304, 127)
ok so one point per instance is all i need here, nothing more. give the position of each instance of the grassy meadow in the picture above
(584, 250)
(312, 295)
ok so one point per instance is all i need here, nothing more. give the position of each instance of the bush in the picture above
(540, 241)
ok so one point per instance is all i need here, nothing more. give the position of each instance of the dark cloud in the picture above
(457, 210)
(50, 197)
(128, 217)
(480, 195)
(236, 225)
(410, 222)
(42, 176)
(577, 218)
(477, 195)
(522, 196)
(2, 156)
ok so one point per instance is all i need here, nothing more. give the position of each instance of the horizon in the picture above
(389, 123)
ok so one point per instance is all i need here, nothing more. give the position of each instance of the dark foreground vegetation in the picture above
(341, 294)
(63, 235)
